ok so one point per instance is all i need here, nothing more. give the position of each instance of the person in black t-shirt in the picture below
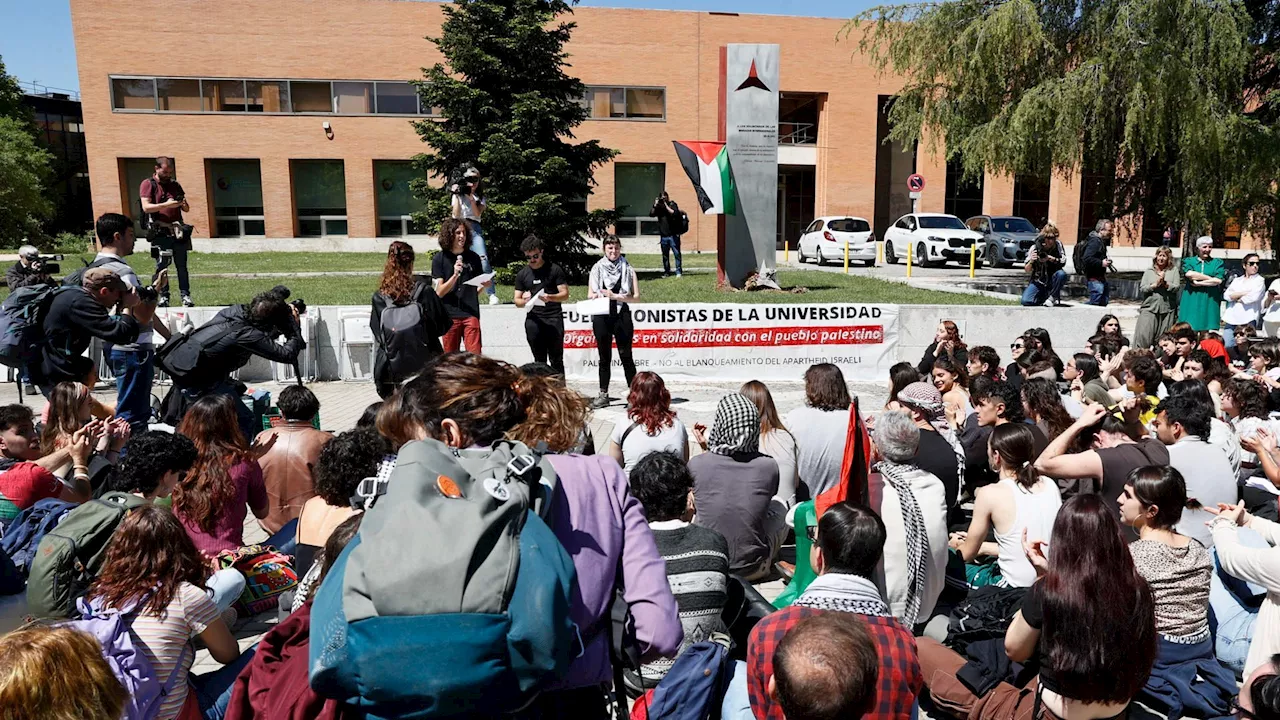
(544, 324)
(451, 268)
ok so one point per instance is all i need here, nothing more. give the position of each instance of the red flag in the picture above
(854, 469)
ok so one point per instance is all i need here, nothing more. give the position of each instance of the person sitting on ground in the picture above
(1086, 380)
(946, 343)
(1244, 403)
(939, 451)
(152, 564)
(1212, 371)
(953, 383)
(825, 669)
(1264, 363)
(1042, 342)
(1109, 449)
(466, 400)
(652, 425)
(1256, 565)
(1185, 342)
(1221, 435)
(1109, 325)
(31, 658)
(734, 486)
(995, 404)
(1021, 503)
(292, 451)
(984, 360)
(1260, 694)
(344, 461)
(369, 418)
(26, 475)
(1178, 570)
(1245, 336)
(1182, 423)
(900, 376)
(664, 486)
(775, 441)
(1090, 618)
(848, 544)
(1018, 349)
(913, 507)
(560, 440)
(309, 584)
(1042, 405)
(821, 427)
(1142, 378)
(71, 406)
(224, 483)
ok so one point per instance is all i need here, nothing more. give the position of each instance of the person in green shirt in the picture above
(1201, 303)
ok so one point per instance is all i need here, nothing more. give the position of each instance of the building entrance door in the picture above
(796, 188)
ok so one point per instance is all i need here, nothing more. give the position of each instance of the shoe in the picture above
(187, 301)
(1050, 303)
(164, 301)
(230, 616)
(30, 389)
(601, 401)
(785, 569)
(679, 274)
(493, 300)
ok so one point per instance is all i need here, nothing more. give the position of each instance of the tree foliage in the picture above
(24, 168)
(11, 104)
(509, 108)
(1175, 95)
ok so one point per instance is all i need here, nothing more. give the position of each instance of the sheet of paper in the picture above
(597, 306)
(538, 300)
(479, 279)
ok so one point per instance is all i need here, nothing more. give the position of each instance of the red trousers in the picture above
(463, 329)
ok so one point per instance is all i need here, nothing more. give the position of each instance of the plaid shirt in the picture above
(899, 678)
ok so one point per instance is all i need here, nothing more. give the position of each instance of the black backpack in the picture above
(180, 356)
(76, 277)
(408, 335)
(1077, 255)
(684, 223)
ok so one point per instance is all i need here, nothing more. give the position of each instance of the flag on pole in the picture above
(707, 165)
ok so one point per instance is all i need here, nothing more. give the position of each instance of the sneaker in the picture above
(30, 389)
(230, 616)
(493, 300)
(601, 401)
(1050, 302)
(187, 301)
(164, 301)
(679, 274)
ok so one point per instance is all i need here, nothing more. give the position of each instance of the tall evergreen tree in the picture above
(509, 109)
(1174, 95)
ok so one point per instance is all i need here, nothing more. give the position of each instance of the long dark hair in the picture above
(397, 276)
(1164, 487)
(956, 369)
(211, 425)
(1249, 397)
(1042, 399)
(150, 549)
(900, 376)
(825, 389)
(480, 394)
(1015, 444)
(1099, 615)
(1088, 367)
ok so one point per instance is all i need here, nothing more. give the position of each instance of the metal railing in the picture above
(406, 225)
(790, 133)
(240, 220)
(35, 88)
(325, 221)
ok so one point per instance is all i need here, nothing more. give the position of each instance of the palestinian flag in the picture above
(707, 165)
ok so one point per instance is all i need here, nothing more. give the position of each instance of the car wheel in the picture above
(868, 263)
(889, 255)
(800, 254)
(922, 255)
(994, 254)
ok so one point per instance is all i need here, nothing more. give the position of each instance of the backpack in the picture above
(694, 687)
(406, 338)
(70, 555)
(683, 223)
(453, 597)
(1077, 255)
(267, 573)
(128, 662)
(181, 354)
(984, 615)
(23, 535)
(76, 277)
(22, 323)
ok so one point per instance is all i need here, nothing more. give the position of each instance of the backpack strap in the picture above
(626, 432)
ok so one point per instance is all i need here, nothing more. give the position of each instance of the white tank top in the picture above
(1034, 511)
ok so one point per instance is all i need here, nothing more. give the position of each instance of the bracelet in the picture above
(80, 467)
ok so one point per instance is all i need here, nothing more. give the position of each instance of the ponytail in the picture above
(1027, 476)
(554, 413)
(1014, 443)
(1165, 488)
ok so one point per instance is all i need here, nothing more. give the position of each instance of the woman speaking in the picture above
(614, 278)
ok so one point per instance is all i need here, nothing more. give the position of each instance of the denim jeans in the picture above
(213, 690)
(1099, 292)
(225, 587)
(135, 370)
(478, 247)
(736, 704)
(1037, 293)
(670, 244)
(286, 538)
(1233, 609)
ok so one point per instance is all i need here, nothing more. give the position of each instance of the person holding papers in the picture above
(456, 276)
(541, 286)
(614, 279)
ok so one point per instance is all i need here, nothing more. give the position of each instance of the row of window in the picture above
(337, 97)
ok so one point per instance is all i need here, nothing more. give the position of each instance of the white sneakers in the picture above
(493, 300)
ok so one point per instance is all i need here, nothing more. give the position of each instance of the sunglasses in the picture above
(1251, 264)
(1017, 346)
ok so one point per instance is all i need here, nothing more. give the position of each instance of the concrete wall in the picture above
(503, 331)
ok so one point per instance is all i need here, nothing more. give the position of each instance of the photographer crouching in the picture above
(163, 202)
(32, 268)
(201, 361)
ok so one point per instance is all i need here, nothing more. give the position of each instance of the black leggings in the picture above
(546, 341)
(608, 329)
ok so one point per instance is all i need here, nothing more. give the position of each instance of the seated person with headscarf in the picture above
(733, 489)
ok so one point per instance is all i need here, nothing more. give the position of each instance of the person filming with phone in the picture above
(163, 202)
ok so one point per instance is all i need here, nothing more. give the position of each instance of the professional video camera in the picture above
(298, 304)
(463, 186)
(47, 264)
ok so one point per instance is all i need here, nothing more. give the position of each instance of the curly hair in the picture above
(448, 229)
(825, 388)
(211, 425)
(985, 354)
(478, 393)
(1248, 397)
(346, 460)
(148, 457)
(1040, 395)
(149, 549)
(31, 658)
(649, 402)
(64, 415)
(554, 414)
(397, 276)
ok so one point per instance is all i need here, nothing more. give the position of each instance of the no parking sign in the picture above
(915, 183)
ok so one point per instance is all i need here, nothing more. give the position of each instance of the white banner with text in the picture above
(730, 342)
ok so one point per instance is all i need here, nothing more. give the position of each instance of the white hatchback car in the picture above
(934, 238)
(824, 240)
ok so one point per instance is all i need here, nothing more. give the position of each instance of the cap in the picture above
(97, 278)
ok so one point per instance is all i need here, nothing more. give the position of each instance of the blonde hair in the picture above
(1050, 230)
(1163, 250)
(56, 674)
(554, 413)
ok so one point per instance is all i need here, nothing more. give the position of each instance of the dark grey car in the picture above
(1006, 237)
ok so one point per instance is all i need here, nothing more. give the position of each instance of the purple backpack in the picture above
(130, 665)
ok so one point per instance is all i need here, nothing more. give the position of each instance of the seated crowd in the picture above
(1037, 539)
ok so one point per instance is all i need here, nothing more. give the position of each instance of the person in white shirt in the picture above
(1271, 303)
(1181, 423)
(1244, 300)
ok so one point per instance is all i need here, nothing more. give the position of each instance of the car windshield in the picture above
(849, 225)
(941, 222)
(1012, 225)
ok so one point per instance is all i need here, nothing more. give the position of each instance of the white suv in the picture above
(825, 238)
(934, 238)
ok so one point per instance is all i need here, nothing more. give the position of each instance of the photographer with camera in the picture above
(163, 202)
(31, 269)
(468, 206)
(201, 361)
(77, 315)
(1045, 262)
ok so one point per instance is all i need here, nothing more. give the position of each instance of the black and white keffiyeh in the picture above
(736, 428)
(844, 593)
(614, 275)
(928, 400)
(917, 535)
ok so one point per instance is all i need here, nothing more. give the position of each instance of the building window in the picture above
(237, 197)
(635, 187)
(320, 197)
(133, 94)
(962, 198)
(266, 96)
(225, 95)
(1031, 198)
(277, 97)
(626, 103)
(395, 198)
(353, 98)
(311, 97)
(175, 95)
(396, 99)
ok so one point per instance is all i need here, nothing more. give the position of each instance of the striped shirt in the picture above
(164, 641)
(697, 561)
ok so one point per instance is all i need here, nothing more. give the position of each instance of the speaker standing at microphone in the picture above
(451, 268)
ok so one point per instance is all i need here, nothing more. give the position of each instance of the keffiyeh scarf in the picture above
(736, 428)
(926, 398)
(614, 275)
(917, 535)
(844, 593)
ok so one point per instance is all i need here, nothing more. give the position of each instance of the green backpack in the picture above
(70, 555)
